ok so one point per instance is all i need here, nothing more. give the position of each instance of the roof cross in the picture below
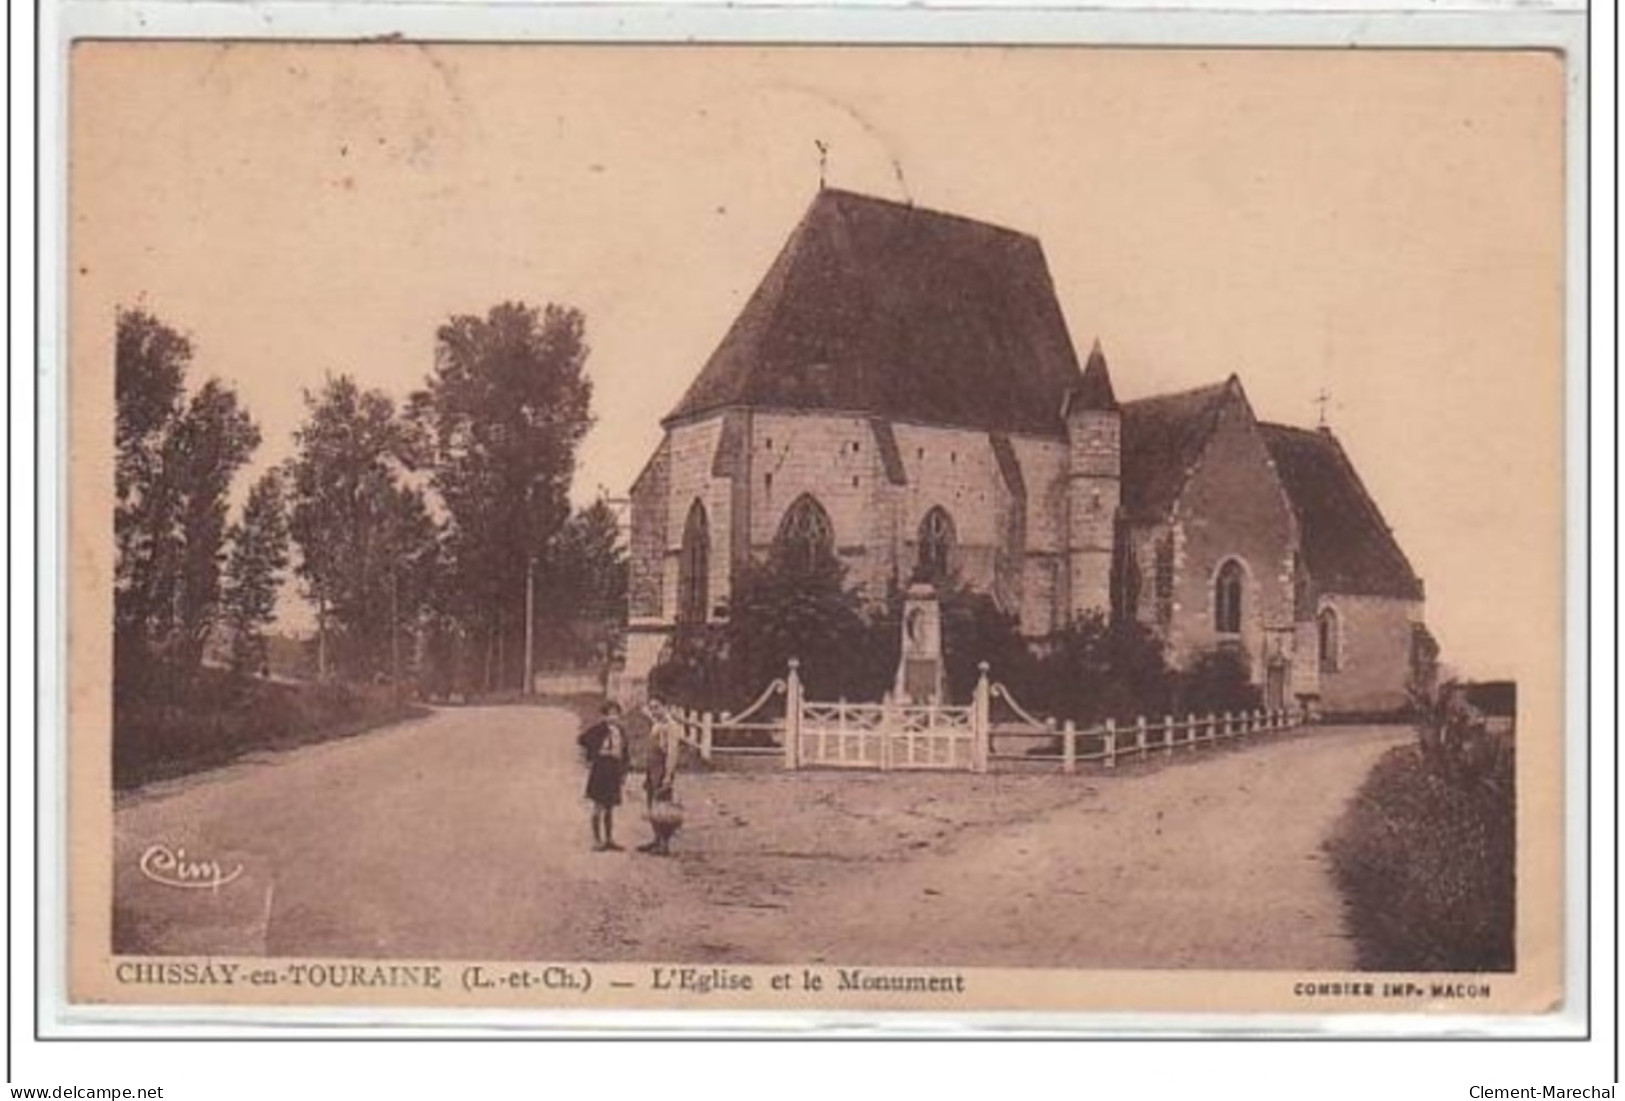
(823, 161)
(1321, 399)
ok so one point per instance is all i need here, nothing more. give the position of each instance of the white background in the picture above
(223, 1067)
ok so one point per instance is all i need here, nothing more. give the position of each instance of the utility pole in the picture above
(529, 687)
(394, 631)
(530, 625)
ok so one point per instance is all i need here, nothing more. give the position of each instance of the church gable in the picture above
(1234, 534)
(900, 312)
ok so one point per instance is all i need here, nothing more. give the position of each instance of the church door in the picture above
(1275, 686)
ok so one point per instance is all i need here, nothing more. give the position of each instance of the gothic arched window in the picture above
(937, 540)
(806, 536)
(1330, 641)
(694, 568)
(1227, 590)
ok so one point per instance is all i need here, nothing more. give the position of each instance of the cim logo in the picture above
(173, 868)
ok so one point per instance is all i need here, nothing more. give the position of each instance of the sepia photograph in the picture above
(881, 527)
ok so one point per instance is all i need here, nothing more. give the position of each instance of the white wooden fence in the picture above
(886, 736)
(1106, 744)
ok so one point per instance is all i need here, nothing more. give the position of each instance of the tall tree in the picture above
(212, 440)
(149, 376)
(259, 554)
(175, 460)
(366, 539)
(505, 409)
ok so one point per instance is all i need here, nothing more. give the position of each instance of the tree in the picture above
(150, 363)
(212, 439)
(367, 544)
(259, 554)
(780, 610)
(581, 584)
(149, 375)
(505, 409)
(174, 463)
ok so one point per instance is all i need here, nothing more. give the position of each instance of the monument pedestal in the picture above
(920, 678)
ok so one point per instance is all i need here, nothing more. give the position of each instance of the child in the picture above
(659, 773)
(605, 745)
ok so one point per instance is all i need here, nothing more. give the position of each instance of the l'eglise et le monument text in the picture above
(901, 391)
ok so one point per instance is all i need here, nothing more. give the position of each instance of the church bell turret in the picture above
(1094, 486)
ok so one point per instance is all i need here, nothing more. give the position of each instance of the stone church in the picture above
(901, 389)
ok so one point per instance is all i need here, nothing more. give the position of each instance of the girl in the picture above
(659, 772)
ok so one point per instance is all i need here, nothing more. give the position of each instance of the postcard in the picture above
(946, 529)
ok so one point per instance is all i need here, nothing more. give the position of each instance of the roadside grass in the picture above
(1425, 862)
(225, 717)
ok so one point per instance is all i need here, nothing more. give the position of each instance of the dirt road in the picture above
(464, 836)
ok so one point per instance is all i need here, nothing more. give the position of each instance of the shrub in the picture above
(976, 630)
(1219, 680)
(1098, 669)
(1425, 858)
(778, 612)
(696, 672)
(221, 716)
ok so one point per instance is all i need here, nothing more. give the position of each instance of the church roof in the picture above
(1347, 544)
(888, 309)
(1162, 437)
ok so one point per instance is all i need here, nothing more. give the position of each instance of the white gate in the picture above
(886, 736)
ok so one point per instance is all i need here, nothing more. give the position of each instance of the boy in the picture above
(605, 745)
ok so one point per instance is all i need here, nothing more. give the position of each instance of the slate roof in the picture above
(1162, 437)
(1347, 544)
(896, 311)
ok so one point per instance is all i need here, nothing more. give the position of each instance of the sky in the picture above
(1385, 226)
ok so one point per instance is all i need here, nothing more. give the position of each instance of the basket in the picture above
(666, 816)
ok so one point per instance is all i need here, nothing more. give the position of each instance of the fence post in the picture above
(1227, 728)
(707, 724)
(1167, 735)
(1139, 737)
(1069, 747)
(1111, 743)
(1190, 729)
(792, 715)
(981, 720)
